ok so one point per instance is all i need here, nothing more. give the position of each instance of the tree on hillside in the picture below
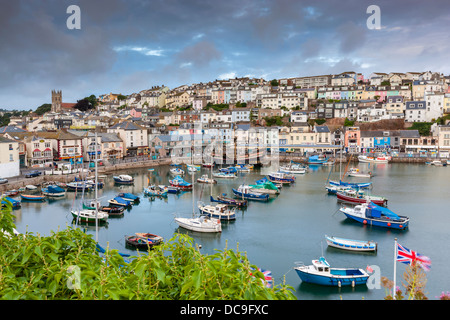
(83, 105)
(274, 83)
(92, 100)
(46, 107)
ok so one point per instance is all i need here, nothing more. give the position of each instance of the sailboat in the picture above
(200, 223)
(92, 215)
(342, 183)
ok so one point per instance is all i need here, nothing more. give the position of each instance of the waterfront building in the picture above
(134, 136)
(9, 158)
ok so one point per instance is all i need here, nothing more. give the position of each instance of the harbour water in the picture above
(287, 229)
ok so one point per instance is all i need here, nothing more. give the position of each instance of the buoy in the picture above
(389, 224)
(365, 221)
(401, 226)
(339, 284)
(353, 283)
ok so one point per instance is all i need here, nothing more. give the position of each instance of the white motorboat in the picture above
(219, 211)
(200, 224)
(205, 179)
(355, 172)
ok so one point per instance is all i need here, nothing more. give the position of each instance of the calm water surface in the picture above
(289, 228)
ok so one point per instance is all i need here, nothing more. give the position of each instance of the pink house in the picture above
(382, 94)
(136, 112)
(221, 96)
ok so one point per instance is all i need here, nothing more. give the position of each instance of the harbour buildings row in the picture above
(150, 123)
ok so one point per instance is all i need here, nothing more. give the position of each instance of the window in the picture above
(11, 157)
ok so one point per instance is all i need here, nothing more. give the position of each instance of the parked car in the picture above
(32, 174)
(2, 181)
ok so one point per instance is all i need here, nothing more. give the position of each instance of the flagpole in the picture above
(395, 268)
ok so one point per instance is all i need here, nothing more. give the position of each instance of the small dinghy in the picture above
(351, 245)
(143, 240)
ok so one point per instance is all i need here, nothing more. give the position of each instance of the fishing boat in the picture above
(436, 163)
(11, 193)
(53, 191)
(207, 165)
(193, 167)
(180, 183)
(242, 168)
(361, 185)
(14, 203)
(265, 187)
(143, 240)
(224, 175)
(205, 179)
(321, 273)
(123, 179)
(229, 170)
(118, 201)
(246, 192)
(358, 196)
(78, 186)
(317, 159)
(219, 211)
(177, 171)
(31, 187)
(170, 189)
(155, 191)
(333, 189)
(351, 245)
(281, 177)
(32, 197)
(112, 211)
(374, 215)
(292, 169)
(89, 216)
(91, 184)
(229, 201)
(355, 172)
(373, 159)
(129, 196)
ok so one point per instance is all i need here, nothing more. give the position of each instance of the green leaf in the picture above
(38, 251)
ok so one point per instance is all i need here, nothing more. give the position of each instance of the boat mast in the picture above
(96, 190)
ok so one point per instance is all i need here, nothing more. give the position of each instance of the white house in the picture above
(299, 116)
(434, 105)
(415, 111)
(9, 158)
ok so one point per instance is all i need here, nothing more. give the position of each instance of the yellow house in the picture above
(177, 100)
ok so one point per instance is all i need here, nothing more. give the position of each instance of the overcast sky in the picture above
(125, 46)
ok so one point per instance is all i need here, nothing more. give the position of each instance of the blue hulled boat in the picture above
(118, 201)
(320, 273)
(350, 184)
(32, 197)
(229, 201)
(317, 159)
(129, 196)
(374, 215)
(123, 179)
(54, 191)
(246, 192)
(15, 203)
(281, 177)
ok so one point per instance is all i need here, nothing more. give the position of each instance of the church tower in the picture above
(56, 100)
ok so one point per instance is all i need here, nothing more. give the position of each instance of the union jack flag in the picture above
(407, 256)
(268, 279)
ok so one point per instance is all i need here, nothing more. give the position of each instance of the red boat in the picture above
(354, 196)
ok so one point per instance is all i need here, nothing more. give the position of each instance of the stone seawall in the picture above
(19, 182)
